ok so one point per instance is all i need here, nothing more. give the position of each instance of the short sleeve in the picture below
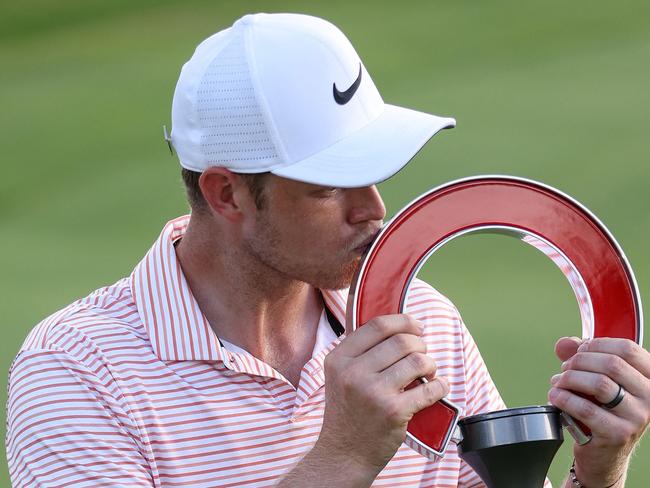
(66, 429)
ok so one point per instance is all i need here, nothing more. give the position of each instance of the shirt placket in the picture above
(312, 381)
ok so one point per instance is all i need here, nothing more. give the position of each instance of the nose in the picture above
(366, 205)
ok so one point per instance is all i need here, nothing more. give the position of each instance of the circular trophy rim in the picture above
(549, 194)
(357, 282)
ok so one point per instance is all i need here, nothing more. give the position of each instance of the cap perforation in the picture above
(256, 97)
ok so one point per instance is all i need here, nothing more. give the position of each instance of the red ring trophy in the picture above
(511, 448)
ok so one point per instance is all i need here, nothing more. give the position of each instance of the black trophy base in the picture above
(512, 448)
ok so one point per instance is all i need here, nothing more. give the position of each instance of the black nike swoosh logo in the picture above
(343, 97)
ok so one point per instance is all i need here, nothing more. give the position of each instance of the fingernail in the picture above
(583, 347)
(565, 365)
(552, 394)
(555, 378)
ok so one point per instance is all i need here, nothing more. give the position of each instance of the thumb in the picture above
(566, 347)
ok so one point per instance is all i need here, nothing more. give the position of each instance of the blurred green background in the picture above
(550, 90)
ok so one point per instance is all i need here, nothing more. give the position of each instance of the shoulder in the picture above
(424, 301)
(89, 326)
(65, 395)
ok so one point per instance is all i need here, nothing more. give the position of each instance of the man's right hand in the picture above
(367, 408)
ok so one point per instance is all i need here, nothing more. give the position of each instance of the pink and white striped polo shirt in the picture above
(130, 386)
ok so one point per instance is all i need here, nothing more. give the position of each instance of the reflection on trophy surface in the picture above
(510, 448)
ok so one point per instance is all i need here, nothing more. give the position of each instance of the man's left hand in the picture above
(595, 368)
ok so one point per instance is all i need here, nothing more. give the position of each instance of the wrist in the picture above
(579, 480)
(351, 464)
(327, 465)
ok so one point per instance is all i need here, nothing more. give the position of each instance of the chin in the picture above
(339, 281)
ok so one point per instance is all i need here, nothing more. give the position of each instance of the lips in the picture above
(366, 243)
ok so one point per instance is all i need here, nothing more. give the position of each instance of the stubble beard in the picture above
(266, 248)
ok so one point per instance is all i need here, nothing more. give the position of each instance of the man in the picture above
(207, 366)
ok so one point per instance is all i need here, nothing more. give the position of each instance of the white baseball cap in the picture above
(287, 93)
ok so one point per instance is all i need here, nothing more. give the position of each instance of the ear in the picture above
(223, 190)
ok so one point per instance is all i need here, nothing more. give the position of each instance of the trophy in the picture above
(513, 447)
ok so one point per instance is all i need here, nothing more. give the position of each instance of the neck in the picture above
(262, 311)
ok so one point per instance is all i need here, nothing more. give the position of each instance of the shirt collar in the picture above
(177, 329)
(325, 335)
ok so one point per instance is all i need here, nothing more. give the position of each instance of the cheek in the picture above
(316, 231)
(326, 243)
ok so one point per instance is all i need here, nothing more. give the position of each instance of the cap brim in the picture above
(372, 154)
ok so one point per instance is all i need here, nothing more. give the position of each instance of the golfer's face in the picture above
(313, 233)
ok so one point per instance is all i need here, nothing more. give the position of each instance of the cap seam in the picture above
(343, 67)
(195, 111)
(261, 99)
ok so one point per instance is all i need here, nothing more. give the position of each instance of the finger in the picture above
(406, 370)
(391, 350)
(599, 386)
(566, 347)
(603, 424)
(630, 351)
(430, 377)
(611, 366)
(376, 330)
(425, 394)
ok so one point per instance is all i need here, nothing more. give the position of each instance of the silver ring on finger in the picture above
(617, 399)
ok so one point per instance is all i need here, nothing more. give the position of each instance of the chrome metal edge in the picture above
(505, 229)
(596, 220)
(448, 437)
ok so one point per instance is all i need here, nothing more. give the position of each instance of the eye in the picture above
(319, 191)
(328, 191)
